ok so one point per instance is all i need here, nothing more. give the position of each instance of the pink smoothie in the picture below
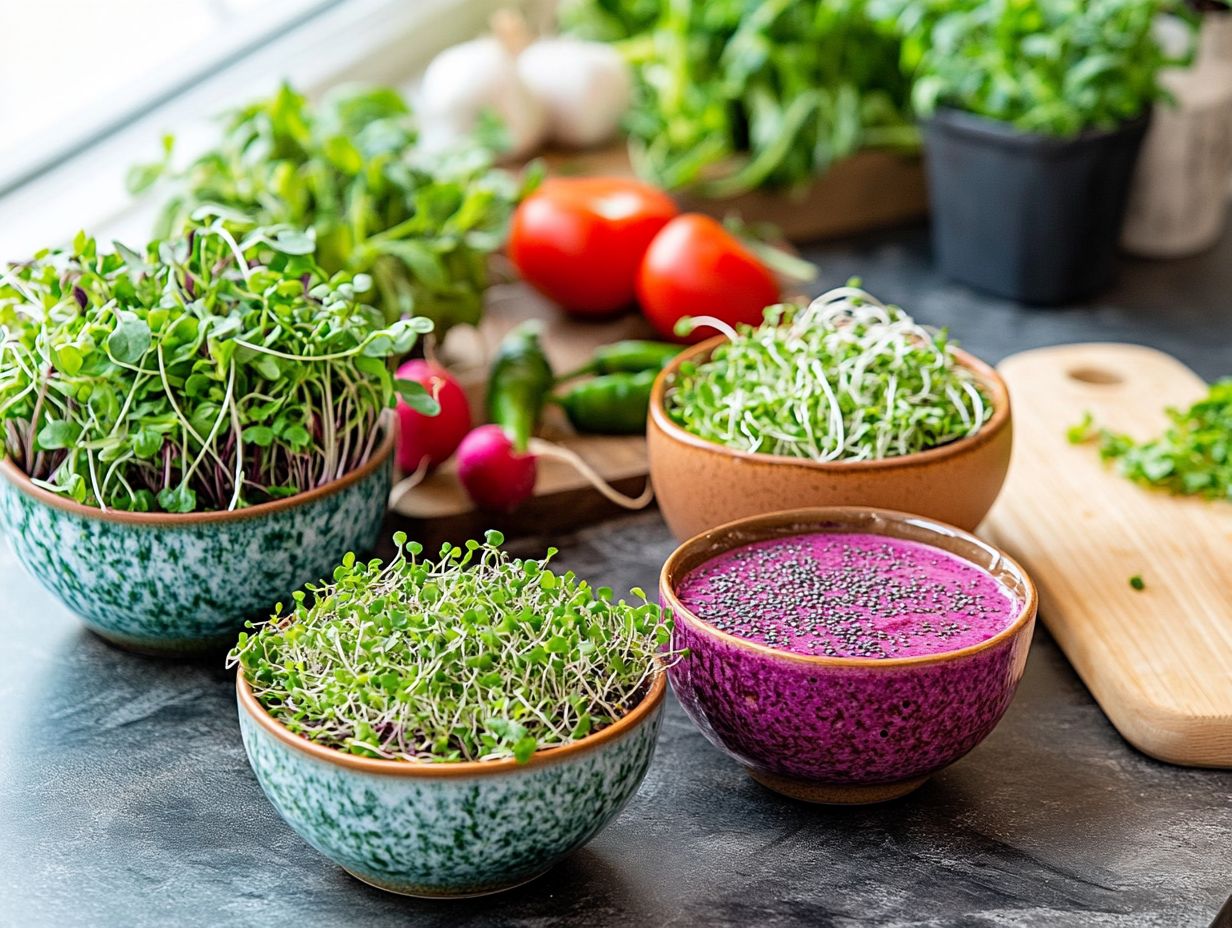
(849, 595)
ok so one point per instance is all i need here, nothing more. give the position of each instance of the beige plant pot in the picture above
(1179, 200)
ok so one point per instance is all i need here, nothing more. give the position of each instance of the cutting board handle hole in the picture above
(1095, 375)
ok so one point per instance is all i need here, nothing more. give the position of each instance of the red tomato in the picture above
(579, 240)
(432, 437)
(695, 267)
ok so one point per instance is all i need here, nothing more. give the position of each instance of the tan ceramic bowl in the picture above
(700, 484)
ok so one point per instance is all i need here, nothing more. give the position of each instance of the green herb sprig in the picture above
(1193, 457)
(473, 656)
(203, 373)
(1056, 67)
(733, 95)
(422, 225)
(845, 379)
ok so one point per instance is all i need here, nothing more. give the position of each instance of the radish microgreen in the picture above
(472, 656)
(206, 373)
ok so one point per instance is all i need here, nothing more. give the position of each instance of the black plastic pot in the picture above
(1035, 218)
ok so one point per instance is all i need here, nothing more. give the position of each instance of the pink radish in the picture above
(426, 441)
(495, 475)
(498, 477)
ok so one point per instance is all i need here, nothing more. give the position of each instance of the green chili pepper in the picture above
(519, 384)
(628, 356)
(613, 404)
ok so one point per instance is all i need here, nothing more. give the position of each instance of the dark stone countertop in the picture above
(126, 799)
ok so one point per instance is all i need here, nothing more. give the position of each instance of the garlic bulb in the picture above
(466, 81)
(584, 86)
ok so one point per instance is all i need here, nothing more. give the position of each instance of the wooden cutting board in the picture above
(1158, 661)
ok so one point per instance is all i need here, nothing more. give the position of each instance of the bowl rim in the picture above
(986, 375)
(380, 454)
(249, 703)
(845, 514)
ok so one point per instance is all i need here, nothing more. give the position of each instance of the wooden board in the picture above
(1158, 661)
(870, 190)
(563, 500)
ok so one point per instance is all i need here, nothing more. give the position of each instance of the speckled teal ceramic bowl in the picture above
(166, 583)
(442, 830)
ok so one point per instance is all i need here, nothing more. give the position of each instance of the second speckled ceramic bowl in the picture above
(450, 829)
(844, 730)
(175, 584)
(700, 484)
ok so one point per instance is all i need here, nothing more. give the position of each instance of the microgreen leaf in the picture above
(130, 339)
(416, 396)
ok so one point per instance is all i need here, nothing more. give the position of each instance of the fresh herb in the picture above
(733, 95)
(1055, 67)
(473, 656)
(846, 378)
(1193, 457)
(203, 373)
(1137, 582)
(422, 225)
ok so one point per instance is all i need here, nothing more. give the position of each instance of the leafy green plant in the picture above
(845, 379)
(421, 225)
(1049, 66)
(733, 95)
(475, 655)
(1193, 457)
(203, 373)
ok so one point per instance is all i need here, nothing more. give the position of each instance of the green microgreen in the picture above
(351, 169)
(474, 655)
(1137, 582)
(846, 378)
(202, 373)
(1193, 457)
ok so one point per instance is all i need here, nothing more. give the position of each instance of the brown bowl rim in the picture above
(249, 703)
(21, 481)
(987, 376)
(846, 515)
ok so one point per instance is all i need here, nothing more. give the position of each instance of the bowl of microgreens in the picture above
(452, 726)
(844, 402)
(193, 431)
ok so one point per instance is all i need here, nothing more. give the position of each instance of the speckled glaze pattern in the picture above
(700, 484)
(834, 729)
(843, 725)
(451, 835)
(185, 586)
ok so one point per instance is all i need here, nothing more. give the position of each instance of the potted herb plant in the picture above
(192, 431)
(1178, 203)
(451, 726)
(1034, 113)
(351, 168)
